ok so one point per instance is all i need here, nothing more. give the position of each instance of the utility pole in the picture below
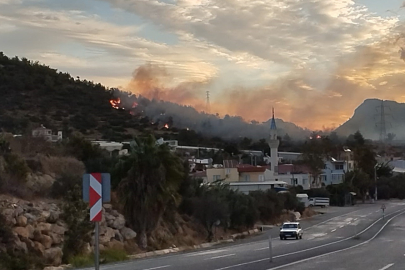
(381, 124)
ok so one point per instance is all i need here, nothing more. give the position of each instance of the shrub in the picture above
(81, 261)
(113, 255)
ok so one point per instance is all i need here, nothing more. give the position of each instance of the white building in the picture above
(46, 133)
(334, 171)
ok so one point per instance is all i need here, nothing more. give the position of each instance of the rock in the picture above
(114, 244)
(39, 248)
(115, 213)
(18, 211)
(53, 256)
(118, 236)
(87, 249)
(107, 207)
(127, 233)
(109, 217)
(54, 268)
(58, 229)
(46, 240)
(20, 246)
(107, 236)
(31, 218)
(56, 238)
(8, 212)
(30, 244)
(44, 228)
(53, 217)
(22, 221)
(118, 223)
(22, 232)
(44, 216)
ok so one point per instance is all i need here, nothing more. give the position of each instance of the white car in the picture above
(291, 229)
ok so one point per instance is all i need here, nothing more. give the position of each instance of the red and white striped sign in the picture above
(95, 197)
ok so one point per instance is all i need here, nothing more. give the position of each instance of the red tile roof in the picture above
(249, 168)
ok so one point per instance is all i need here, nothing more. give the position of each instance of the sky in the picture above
(314, 61)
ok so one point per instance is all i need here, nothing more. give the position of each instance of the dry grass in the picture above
(61, 165)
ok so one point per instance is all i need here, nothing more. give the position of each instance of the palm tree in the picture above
(151, 185)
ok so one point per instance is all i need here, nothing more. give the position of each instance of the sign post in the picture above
(96, 190)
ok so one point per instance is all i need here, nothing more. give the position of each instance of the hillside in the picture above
(367, 118)
(36, 94)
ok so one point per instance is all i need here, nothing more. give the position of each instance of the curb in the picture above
(204, 245)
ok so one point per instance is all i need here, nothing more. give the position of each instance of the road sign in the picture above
(105, 187)
(383, 207)
(96, 190)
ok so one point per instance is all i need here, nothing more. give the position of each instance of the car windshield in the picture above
(290, 226)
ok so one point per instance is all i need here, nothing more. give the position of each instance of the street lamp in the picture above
(375, 180)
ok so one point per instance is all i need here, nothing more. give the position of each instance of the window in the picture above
(228, 171)
(339, 166)
(304, 181)
(294, 181)
(246, 178)
(261, 178)
(216, 177)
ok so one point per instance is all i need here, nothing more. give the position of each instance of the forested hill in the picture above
(33, 94)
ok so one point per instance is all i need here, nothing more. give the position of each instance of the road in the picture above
(328, 233)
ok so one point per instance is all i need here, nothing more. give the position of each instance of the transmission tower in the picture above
(382, 123)
(208, 102)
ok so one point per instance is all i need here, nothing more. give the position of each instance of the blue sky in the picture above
(314, 60)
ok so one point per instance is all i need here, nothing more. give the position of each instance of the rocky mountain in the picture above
(367, 120)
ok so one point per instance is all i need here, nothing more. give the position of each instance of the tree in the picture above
(151, 185)
(313, 157)
(384, 170)
(360, 181)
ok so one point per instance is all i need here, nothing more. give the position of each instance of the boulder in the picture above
(53, 256)
(58, 229)
(107, 235)
(118, 236)
(20, 246)
(53, 217)
(114, 244)
(46, 241)
(56, 238)
(127, 233)
(31, 218)
(44, 228)
(22, 221)
(118, 223)
(22, 232)
(39, 248)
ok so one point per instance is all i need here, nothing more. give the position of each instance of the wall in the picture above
(253, 176)
(215, 171)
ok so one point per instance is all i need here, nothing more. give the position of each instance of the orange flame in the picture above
(166, 126)
(134, 104)
(115, 103)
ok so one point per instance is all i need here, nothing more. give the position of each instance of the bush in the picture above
(65, 182)
(113, 255)
(81, 261)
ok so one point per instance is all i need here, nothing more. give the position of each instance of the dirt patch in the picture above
(308, 212)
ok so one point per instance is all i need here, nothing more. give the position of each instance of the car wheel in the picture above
(297, 237)
(281, 238)
(301, 236)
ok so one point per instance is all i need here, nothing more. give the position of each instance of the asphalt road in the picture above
(385, 252)
(339, 229)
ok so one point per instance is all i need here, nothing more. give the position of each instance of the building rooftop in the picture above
(250, 168)
(230, 163)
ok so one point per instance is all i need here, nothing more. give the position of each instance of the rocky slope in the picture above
(38, 229)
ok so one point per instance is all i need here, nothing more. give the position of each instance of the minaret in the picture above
(274, 143)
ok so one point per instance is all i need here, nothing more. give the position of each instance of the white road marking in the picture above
(268, 248)
(223, 256)
(340, 250)
(341, 226)
(158, 267)
(207, 252)
(328, 244)
(334, 230)
(387, 266)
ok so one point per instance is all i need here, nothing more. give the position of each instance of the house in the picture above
(200, 175)
(114, 148)
(227, 171)
(246, 187)
(293, 175)
(334, 171)
(46, 133)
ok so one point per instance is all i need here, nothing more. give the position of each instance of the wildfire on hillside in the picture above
(115, 103)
